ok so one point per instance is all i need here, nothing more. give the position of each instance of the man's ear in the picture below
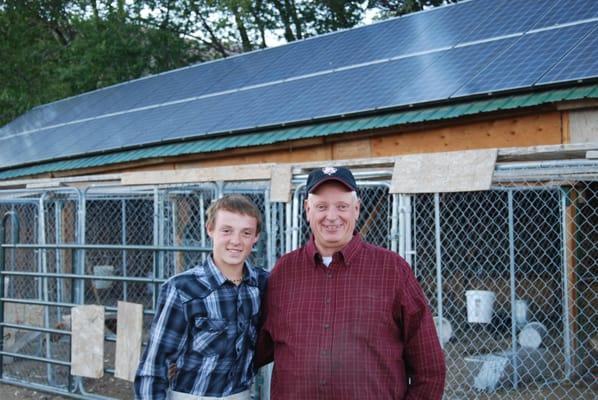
(210, 230)
(306, 208)
(257, 237)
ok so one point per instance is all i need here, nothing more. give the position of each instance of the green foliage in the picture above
(52, 49)
(392, 8)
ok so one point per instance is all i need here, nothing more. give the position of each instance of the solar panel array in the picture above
(471, 48)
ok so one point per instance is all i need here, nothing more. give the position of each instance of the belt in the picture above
(173, 395)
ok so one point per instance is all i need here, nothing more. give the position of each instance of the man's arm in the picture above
(423, 355)
(264, 348)
(167, 338)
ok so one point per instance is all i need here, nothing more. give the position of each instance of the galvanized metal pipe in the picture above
(408, 230)
(202, 221)
(289, 230)
(270, 236)
(123, 239)
(564, 194)
(396, 225)
(438, 260)
(103, 247)
(44, 287)
(35, 328)
(515, 358)
(77, 276)
(15, 222)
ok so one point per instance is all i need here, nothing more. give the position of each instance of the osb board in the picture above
(280, 183)
(458, 171)
(128, 339)
(583, 126)
(87, 341)
(532, 130)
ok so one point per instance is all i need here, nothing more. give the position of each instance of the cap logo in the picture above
(329, 170)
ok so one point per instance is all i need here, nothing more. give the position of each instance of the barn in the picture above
(472, 130)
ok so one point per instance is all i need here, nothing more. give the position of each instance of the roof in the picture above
(443, 56)
(402, 118)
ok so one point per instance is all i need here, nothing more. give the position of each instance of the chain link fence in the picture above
(510, 273)
(511, 277)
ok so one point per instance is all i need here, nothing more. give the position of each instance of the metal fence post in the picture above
(515, 358)
(16, 230)
(438, 259)
(564, 194)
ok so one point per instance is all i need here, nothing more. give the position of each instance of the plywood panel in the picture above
(128, 339)
(87, 341)
(583, 126)
(280, 183)
(351, 149)
(444, 172)
(541, 129)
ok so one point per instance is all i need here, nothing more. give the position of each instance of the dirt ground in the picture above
(108, 386)
(10, 392)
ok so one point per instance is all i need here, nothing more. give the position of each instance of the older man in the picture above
(346, 319)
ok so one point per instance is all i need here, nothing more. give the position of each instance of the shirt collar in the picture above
(215, 278)
(347, 252)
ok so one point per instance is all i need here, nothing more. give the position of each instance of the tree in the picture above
(391, 8)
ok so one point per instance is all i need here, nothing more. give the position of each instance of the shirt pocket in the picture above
(210, 336)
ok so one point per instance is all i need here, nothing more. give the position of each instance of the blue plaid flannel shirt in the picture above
(208, 326)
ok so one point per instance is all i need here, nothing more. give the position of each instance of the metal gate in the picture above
(529, 242)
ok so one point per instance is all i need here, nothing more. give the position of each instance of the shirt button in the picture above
(326, 326)
(323, 382)
(329, 275)
(324, 353)
(327, 300)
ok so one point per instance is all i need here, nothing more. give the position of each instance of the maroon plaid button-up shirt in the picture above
(359, 329)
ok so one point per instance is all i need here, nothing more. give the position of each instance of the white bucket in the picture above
(444, 329)
(102, 270)
(480, 305)
(531, 335)
(520, 316)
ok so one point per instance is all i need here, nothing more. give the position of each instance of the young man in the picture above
(206, 318)
(346, 319)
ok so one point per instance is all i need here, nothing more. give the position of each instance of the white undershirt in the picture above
(327, 260)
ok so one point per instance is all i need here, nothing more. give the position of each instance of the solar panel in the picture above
(566, 11)
(579, 63)
(527, 59)
(469, 48)
(456, 66)
(507, 19)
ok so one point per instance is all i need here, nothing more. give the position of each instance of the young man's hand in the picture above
(172, 371)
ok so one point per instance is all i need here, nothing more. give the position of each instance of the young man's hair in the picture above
(237, 204)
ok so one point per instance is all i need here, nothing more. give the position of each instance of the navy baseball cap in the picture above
(339, 174)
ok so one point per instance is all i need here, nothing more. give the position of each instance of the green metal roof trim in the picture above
(316, 130)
